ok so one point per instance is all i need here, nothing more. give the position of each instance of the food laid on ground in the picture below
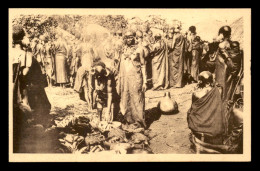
(86, 135)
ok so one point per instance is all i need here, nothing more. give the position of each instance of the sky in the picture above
(187, 16)
(207, 21)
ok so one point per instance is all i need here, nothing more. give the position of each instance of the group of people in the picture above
(112, 76)
(216, 114)
(119, 81)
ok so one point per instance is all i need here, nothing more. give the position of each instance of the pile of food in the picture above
(86, 134)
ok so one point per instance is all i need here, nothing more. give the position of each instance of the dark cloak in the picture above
(206, 114)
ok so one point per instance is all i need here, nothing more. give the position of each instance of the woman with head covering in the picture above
(29, 95)
(192, 59)
(61, 54)
(195, 58)
(144, 46)
(39, 52)
(228, 63)
(21, 65)
(74, 65)
(159, 64)
(49, 61)
(176, 61)
(142, 43)
(132, 82)
(88, 51)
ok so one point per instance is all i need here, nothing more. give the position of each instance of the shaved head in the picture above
(99, 69)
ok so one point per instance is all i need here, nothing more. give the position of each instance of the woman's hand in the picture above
(144, 87)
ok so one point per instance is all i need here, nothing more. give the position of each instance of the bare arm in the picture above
(90, 90)
(109, 95)
(155, 48)
(143, 67)
(226, 56)
(173, 42)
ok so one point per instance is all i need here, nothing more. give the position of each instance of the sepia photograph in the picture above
(132, 85)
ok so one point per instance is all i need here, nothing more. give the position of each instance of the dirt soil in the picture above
(171, 133)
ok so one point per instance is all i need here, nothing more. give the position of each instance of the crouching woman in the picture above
(206, 118)
(102, 88)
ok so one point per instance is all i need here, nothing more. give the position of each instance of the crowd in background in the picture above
(182, 56)
(116, 72)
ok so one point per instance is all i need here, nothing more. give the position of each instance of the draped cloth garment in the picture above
(49, 60)
(206, 114)
(226, 72)
(160, 65)
(195, 60)
(130, 81)
(176, 62)
(60, 62)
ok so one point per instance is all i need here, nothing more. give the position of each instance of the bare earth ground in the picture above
(171, 131)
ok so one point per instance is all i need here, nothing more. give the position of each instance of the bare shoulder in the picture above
(200, 92)
(224, 45)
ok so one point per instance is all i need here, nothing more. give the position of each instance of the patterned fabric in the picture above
(130, 81)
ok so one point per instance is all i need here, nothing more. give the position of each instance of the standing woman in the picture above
(176, 61)
(196, 54)
(165, 34)
(29, 81)
(228, 63)
(39, 53)
(132, 82)
(60, 61)
(169, 46)
(159, 64)
(49, 61)
(74, 64)
(88, 53)
(190, 52)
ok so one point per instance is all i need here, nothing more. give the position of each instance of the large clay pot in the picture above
(168, 105)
